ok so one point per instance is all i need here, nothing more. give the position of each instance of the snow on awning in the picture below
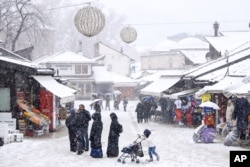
(181, 94)
(240, 90)
(222, 85)
(65, 93)
(158, 86)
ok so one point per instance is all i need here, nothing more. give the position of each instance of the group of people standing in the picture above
(78, 124)
(144, 110)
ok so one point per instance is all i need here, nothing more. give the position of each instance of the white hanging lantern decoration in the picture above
(89, 21)
(128, 34)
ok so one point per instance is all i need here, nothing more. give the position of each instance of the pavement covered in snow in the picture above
(174, 144)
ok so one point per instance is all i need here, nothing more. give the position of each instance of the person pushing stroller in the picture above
(151, 146)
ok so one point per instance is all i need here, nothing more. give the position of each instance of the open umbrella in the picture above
(117, 92)
(148, 98)
(108, 94)
(210, 104)
(95, 101)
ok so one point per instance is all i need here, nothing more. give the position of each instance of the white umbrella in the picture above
(94, 101)
(210, 104)
(117, 92)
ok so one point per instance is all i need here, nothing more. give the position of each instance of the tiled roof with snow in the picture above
(65, 57)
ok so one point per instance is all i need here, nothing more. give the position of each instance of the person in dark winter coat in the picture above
(71, 125)
(95, 135)
(82, 118)
(97, 107)
(146, 111)
(139, 111)
(164, 104)
(79, 142)
(113, 138)
(240, 114)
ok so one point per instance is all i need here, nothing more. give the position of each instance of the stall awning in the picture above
(181, 94)
(158, 86)
(222, 85)
(65, 93)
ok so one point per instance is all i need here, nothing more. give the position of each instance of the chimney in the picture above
(216, 28)
(80, 46)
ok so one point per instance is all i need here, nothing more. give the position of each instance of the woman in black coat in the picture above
(114, 134)
(95, 136)
(71, 125)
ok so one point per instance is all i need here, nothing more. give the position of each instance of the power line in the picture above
(67, 6)
(191, 22)
(159, 23)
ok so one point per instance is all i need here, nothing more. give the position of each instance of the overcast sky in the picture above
(154, 20)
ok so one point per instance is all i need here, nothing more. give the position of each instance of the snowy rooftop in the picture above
(16, 59)
(239, 65)
(186, 43)
(196, 56)
(229, 41)
(102, 75)
(161, 73)
(191, 43)
(64, 56)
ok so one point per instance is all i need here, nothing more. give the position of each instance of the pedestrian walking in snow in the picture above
(71, 125)
(147, 136)
(95, 136)
(113, 139)
(125, 103)
(139, 112)
(97, 106)
(107, 104)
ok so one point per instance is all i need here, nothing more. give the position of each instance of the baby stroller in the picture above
(132, 151)
(206, 132)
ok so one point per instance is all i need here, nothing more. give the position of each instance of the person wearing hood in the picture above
(113, 138)
(71, 125)
(95, 136)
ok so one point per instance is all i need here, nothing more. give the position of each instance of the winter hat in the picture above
(113, 116)
(96, 116)
(146, 132)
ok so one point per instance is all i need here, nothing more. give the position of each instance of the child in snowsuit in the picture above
(151, 146)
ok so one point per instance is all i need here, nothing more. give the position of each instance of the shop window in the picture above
(77, 69)
(84, 69)
(5, 99)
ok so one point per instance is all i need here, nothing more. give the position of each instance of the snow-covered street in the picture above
(174, 145)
